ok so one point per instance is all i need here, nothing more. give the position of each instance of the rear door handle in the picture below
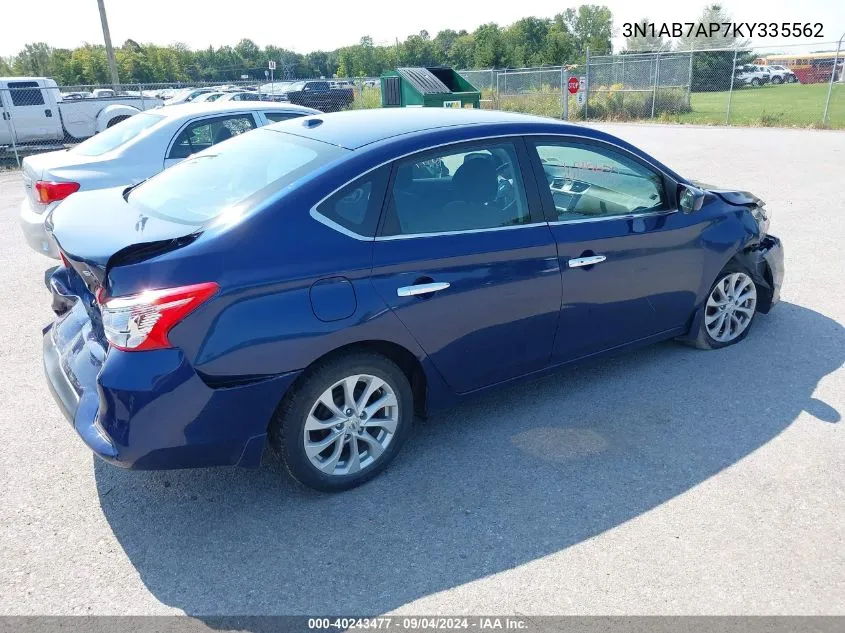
(586, 261)
(421, 289)
(48, 112)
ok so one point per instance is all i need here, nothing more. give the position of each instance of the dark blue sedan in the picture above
(317, 283)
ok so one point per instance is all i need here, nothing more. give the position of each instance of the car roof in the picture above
(356, 128)
(385, 134)
(185, 110)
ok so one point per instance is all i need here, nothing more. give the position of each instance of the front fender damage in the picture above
(763, 259)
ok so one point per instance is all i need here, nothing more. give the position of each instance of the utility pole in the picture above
(109, 50)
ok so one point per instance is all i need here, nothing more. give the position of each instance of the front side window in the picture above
(25, 93)
(202, 187)
(472, 189)
(357, 206)
(203, 134)
(589, 181)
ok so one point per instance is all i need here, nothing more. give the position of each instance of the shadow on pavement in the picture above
(513, 476)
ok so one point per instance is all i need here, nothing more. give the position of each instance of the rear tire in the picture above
(777, 80)
(729, 310)
(344, 422)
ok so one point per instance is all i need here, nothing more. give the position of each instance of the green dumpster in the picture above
(433, 87)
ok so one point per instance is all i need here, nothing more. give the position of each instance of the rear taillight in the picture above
(65, 262)
(141, 322)
(49, 191)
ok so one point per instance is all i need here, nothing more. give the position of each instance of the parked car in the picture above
(208, 97)
(317, 94)
(37, 113)
(187, 95)
(72, 96)
(780, 74)
(242, 96)
(316, 283)
(275, 86)
(751, 75)
(133, 151)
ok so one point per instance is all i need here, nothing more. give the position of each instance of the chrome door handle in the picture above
(586, 261)
(421, 289)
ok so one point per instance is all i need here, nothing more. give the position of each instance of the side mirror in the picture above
(690, 198)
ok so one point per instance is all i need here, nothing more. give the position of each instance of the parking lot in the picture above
(665, 481)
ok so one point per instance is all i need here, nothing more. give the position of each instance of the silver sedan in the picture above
(132, 151)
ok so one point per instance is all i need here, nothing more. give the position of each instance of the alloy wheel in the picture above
(351, 424)
(730, 307)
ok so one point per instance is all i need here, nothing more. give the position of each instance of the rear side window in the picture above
(25, 93)
(260, 164)
(476, 188)
(275, 117)
(357, 206)
(203, 134)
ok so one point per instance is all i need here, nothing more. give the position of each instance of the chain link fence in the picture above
(783, 87)
(715, 86)
(725, 86)
(638, 86)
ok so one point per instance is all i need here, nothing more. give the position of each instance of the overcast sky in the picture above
(329, 24)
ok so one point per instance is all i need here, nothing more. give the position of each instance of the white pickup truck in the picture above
(33, 112)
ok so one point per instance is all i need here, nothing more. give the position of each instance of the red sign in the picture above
(573, 85)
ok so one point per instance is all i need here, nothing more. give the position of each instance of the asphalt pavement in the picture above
(664, 481)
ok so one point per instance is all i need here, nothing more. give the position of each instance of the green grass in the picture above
(788, 105)
(367, 98)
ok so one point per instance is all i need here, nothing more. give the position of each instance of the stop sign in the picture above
(573, 85)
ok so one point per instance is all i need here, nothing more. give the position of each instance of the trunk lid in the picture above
(44, 167)
(99, 229)
(40, 165)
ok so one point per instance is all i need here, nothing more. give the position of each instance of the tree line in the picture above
(530, 41)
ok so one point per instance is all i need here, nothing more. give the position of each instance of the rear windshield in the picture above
(117, 135)
(198, 189)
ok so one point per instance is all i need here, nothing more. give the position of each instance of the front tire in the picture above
(345, 421)
(729, 310)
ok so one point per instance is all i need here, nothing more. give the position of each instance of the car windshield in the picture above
(117, 135)
(296, 85)
(200, 188)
